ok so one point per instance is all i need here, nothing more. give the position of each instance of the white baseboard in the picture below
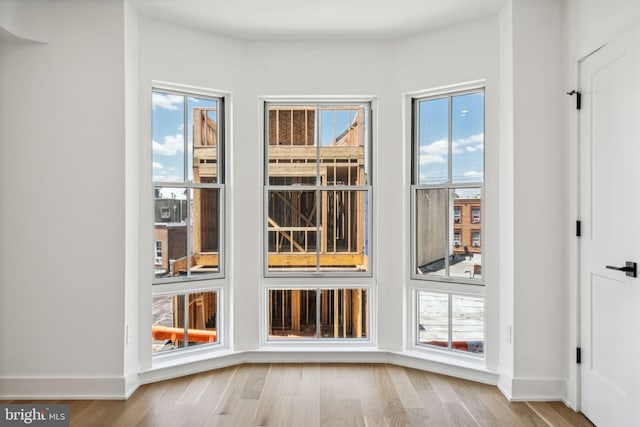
(59, 388)
(117, 388)
(532, 389)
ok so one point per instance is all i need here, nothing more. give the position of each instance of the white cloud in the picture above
(436, 152)
(166, 101)
(473, 174)
(157, 166)
(171, 145)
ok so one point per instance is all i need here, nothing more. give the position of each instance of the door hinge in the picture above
(578, 355)
(578, 228)
(578, 98)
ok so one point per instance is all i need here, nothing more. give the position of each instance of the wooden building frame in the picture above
(315, 193)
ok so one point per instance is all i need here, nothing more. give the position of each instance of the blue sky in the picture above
(169, 136)
(467, 124)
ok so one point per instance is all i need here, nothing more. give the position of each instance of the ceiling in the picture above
(317, 19)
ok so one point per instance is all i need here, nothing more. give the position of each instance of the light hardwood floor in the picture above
(319, 395)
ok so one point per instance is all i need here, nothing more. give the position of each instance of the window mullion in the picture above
(319, 207)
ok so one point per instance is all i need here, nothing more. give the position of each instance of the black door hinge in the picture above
(578, 355)
(578, 98)
(578, 228)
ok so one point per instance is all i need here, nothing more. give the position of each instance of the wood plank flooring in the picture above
(319, 395)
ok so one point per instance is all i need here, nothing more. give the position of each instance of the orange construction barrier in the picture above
(177, 334)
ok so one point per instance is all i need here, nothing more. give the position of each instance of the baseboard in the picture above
(59, 388)
(118, 388)
(468, 372)
(532, 389)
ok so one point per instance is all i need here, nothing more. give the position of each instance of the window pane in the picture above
(343, 313)
(292, 230)
(343, 230)
(465, 253)
(344, 146)
(168, 137)
(292, 145)
(431, 227)
(203, 134)
(171, 231)
(433, 319)
(467, 323)
(206, 235)
(433, 141)
(467, 128)
(292, 313)
(167, 332)
(203, 318)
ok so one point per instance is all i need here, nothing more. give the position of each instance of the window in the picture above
(165, 212)
(475, 239)
(318, 313)
(456, 214)
(317, 192)
(448, 181)
(450, 321)
(447, 186)
(456, 238)
(189, 184)
(184, 320)
(158, 252)
(475, 215)
(317, 189)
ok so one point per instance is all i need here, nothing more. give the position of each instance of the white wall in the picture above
(132, 198)
(66, 273)
(535, 158)
(382, 69)
(22, 21)
(462, 53)
(506, 201)
(62, 206)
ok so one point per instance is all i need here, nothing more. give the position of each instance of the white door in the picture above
(610, 213)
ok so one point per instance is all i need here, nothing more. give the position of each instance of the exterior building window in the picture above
(158, 252)
(456, 214)
(165, 212)
(317, 188)
(447, 178)
(475, 239)
(189, 187)
(456, 238)
(475, 215)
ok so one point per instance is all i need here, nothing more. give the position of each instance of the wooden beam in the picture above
(309, 260)
(285, 234)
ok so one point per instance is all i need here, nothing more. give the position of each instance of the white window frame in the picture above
(318, 102)
(450, 286)
(215, 282)
(319, 280)
(446, 187)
